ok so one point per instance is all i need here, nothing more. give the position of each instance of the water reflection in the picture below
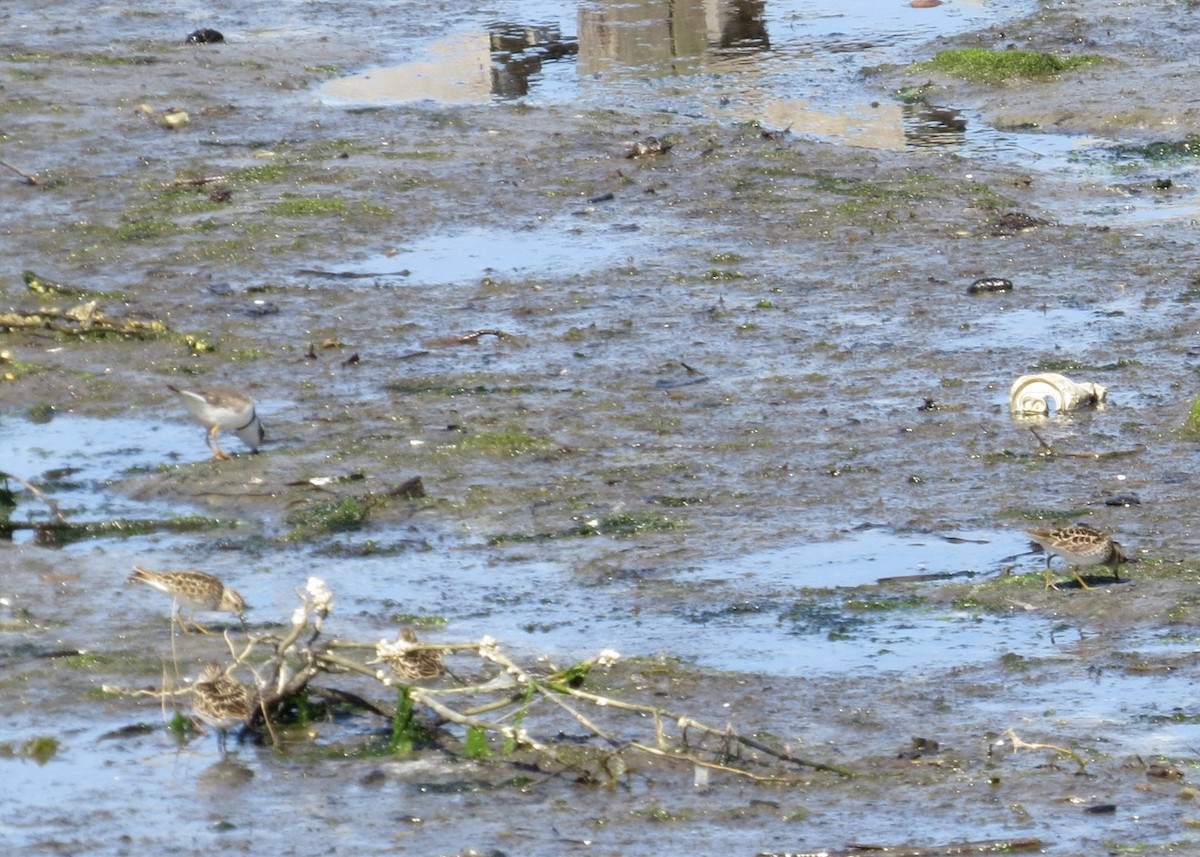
(927, 125)
(518, 53)
(790, 64)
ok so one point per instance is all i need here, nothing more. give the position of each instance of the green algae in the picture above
(993, 67)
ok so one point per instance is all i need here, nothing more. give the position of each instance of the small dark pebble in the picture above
(222, 290)
(221, 194)
(1101, 809)
(133, 730)
(604, 197)
(920, 747)
(1123, 500)
(261, 308)
(373, 778)
(204, 36)
(352, 360)
(1012, 222)
(989, 285)
(649, 146)
(1163, 771)
(1163, 184)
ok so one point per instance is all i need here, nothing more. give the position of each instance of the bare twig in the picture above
(36, 492)
(1048, 450)
(953, 849)
(1018, 744)
(30, 178)
(195, 182)
(471, 337)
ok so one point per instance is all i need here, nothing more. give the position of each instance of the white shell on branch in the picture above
(1040, 394)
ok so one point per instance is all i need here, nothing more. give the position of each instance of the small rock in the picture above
(204, 36)
(989, 285)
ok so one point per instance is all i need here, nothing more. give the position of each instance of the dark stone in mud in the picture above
(1012, 222)
(258, 309)
(204, 36)
(989, 285)
(1125, 500)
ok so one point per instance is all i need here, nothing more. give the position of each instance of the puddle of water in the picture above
(866, 555)
(793, 65)
(466, 256)
(74, 460)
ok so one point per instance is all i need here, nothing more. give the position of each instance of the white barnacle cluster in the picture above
(300, 616)
(488, 646)
(607, 658)
(318, 602)
(396, 648)
(320, 595)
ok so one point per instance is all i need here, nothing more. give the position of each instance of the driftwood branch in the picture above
(521, 707)
(83, 318)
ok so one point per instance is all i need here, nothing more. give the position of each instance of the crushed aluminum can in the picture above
(1038, 395)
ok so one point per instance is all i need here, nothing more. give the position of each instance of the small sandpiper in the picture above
(196, 590)
(221, 702)
(1079, 545)
(223, 408)
(409, 660)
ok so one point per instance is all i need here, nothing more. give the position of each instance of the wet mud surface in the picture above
(720, 393)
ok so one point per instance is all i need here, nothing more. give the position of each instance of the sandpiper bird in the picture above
(1079, 545)
(220, 701)
(196, 590)
(223, 408)
(409, 660)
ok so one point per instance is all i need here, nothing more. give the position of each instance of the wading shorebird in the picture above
(221, 702)
(1080, 545)
(223, 408)
(197, 590)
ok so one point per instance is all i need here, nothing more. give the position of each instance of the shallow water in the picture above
(786, 633)
(794, 65)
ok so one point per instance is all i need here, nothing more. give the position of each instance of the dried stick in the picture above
(1049, 450)
(518, 735)
(33, 489)
(196, 182)
(1018, 744)
(953, 849)
(29, 177)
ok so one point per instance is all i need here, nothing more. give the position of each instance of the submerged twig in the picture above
(1048, 450)
(30, 178)
(1018, 744)
(953, 849)
(472, 337)
(195, 182)
(50, 502)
